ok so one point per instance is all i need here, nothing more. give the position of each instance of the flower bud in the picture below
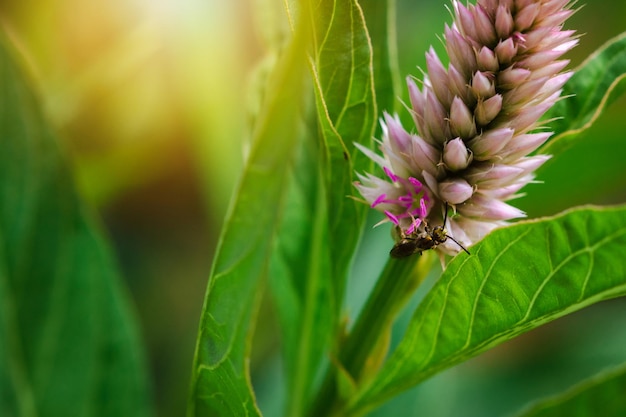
(507, 192)
(474, 229)
(484, 28)
(526, 17)
(482, 207)
(554, 84)
(487, 110)
(424, 157)
(526, 117)
(435, 117)
(560, 40)
(512, 77)
(505, 51)
(523, 145)
(461, 120)
(415, 95)
(551, 69)
(539, 59)
(490, 143)
(524, 92)
(482, 85)
(504, 22)
(531, 163)
(491, 176)
(533, 40)
(455, 191)
(439, 77)
(458, 86)
(465, 19)
(418, 105)
(487, 60)
(553, 18)
(456, 156)
(460, 51)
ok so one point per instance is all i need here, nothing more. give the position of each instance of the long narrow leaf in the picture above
(68, 342)
(321, 225)
(301, 279)
(343, 77)
(220, 382)
(380, 18)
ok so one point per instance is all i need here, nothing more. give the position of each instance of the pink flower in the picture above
(476, 121)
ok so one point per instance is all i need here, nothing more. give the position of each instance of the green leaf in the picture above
(595, 84)
(300, 275)
(602, 395)
(516, 279)
(320, 226)
(221, 381)
(344, 86)
(380, 16)
(68, 343)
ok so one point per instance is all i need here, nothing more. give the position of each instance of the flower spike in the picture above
(476, 123)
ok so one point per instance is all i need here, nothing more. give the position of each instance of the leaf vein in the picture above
(570, 257)
(444, 305)
(482, 285)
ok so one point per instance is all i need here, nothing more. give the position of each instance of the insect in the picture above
(418, 242)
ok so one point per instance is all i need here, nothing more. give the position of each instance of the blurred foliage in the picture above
(69, 341)
(151, 97)
(148, 95)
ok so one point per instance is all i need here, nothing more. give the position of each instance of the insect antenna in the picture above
(445, 218)
(457, 242)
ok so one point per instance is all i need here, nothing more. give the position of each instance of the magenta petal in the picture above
(379, 200)
(392, 217)
(423, 211)
(417, 185)
(414, 225)
(393, 177)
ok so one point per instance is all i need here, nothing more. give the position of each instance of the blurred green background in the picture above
(151, 99)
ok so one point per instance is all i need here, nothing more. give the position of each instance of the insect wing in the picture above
(425, 242)
(404, 248)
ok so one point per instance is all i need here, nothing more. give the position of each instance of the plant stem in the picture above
(394, 288)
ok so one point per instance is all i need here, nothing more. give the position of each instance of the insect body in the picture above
(418, 242)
